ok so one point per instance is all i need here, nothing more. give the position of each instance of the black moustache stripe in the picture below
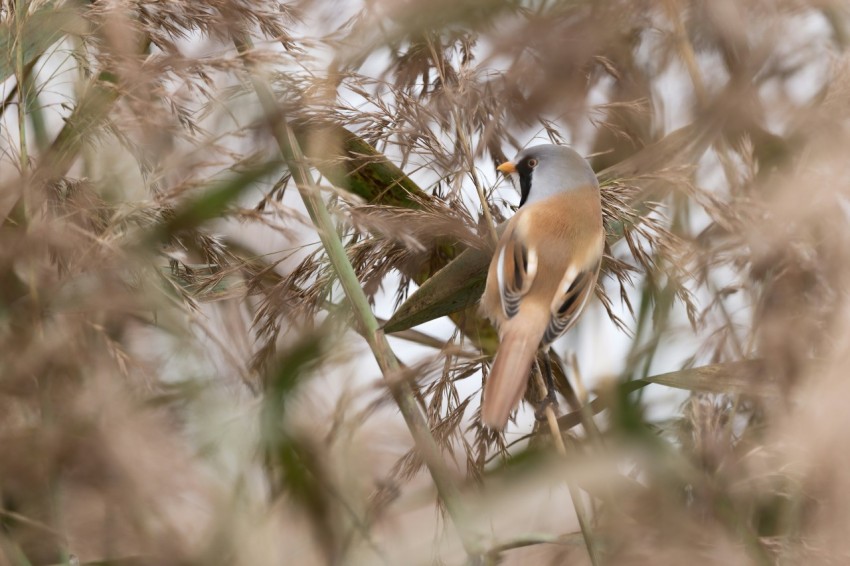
(524, 183)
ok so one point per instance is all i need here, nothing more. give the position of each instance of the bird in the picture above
(544, 269)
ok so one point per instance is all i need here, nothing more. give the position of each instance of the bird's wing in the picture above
(573, 292)
(570, 267)
(516, 267)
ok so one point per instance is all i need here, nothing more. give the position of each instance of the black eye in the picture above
(532, 163)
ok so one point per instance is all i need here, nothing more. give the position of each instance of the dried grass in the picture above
(172, 395)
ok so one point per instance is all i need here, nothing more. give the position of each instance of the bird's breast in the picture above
(566, 229)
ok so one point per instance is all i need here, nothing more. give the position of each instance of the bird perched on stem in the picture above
(544, 269)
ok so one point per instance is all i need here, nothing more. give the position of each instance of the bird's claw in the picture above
(549, 401)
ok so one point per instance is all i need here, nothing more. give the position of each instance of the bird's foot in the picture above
(549, 401)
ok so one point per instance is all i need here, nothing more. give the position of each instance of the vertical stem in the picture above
(20, 14)
(34, 111)
(23, 93)
(369, 328)
(581, 511)
(686, 50)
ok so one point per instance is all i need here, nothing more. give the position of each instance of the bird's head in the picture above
(548, 170)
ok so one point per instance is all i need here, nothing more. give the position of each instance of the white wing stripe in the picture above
(500, 278)
(530, 270)
(569, 277)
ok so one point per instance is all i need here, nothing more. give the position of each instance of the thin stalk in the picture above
(20, 13)
(35, 111)
(578, 503)
(369, 328)
(21, 73)
(585, 411)
(686, 51)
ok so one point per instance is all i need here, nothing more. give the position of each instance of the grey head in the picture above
(548, 170)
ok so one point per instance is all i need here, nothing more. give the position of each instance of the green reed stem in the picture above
(368, 324)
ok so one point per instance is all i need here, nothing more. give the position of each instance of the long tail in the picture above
(508, 378)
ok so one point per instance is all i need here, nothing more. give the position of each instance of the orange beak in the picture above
(507, 167)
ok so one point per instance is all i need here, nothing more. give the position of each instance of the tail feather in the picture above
(509, 375)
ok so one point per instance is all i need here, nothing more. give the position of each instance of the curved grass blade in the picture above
(211, 203)
(731, 378)
(351, 163)
(455, 287)
(41, 30)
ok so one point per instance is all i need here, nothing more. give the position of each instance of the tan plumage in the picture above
(542, 274)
